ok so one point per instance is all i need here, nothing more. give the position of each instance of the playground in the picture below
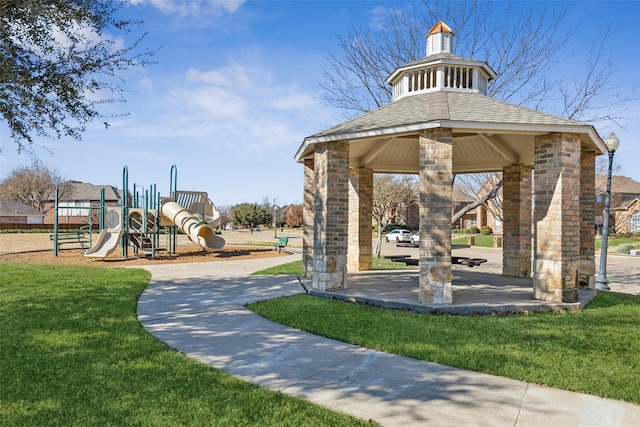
(36, 248)
(146, 227)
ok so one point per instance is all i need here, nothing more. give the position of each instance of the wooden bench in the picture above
(281, 243)
(77, 237)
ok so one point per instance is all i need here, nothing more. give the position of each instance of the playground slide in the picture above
(106, 243)
(198, 231)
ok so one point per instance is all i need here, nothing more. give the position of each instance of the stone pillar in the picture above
(309, 193)
(360, 248)
(436, 185)
(516, 214)
(557, 216)
(587, 265)
(331, 211)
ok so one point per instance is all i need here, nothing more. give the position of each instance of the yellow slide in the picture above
(198, 231)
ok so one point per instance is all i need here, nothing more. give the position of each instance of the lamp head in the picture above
(612, 142)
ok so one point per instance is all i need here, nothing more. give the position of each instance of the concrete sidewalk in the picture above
(199, 309)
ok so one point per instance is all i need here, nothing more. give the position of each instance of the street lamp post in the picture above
(275, 220)
(601, 280)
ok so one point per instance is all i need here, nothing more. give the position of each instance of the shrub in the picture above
(473, 229)
(625, 249)
(486, 230)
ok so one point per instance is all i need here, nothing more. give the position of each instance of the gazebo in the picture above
(441, 123)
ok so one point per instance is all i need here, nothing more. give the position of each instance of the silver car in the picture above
(398, 236)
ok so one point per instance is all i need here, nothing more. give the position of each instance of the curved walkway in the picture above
(199, 309)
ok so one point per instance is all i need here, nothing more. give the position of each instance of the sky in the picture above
(234, 92)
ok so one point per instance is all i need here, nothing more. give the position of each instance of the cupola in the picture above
(441, 70)
(439, 39)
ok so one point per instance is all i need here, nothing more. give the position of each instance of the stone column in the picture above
(436, 185)
(307, 218)
(360, 250)
(557, 217)
(516, 214)
(331, 211)
(587, 265)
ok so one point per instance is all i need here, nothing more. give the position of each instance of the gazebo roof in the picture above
(488, 134)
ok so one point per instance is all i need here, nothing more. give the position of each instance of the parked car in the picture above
(415, 239)
(398, 236)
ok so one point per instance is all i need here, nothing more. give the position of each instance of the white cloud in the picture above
(193, 7)
(233, 77)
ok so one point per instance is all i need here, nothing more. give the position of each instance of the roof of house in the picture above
(17, 208)
(627, 204)
(619, 184)
(86, 191)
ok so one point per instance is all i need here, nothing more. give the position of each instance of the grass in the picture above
(73, 354)
(295, 267)
(593, 351)
(616, 241)
(485, 241)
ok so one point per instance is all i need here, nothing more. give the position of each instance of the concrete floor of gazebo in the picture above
(474, 292)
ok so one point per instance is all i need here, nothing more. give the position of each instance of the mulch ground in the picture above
(185, 254)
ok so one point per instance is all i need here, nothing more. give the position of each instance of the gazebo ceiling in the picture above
(487, 134)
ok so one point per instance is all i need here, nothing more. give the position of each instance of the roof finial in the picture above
(439, 39)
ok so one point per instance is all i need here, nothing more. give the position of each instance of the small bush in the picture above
(625, 249)
(473, 229)
(486, 230)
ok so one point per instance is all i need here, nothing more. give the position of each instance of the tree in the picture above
(390, 192)
(251, 215)
(485, 189)
(35, 186)
(59, 63)
(225, 214)
(294, 216)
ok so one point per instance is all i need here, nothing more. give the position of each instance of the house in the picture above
(14, 213)
(625, 209)
(627, 216)
(75, 209)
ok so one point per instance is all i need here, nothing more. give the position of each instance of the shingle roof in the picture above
(626, 204)
(619, 184)
(17, 208)
(422, 109)
(85, 191)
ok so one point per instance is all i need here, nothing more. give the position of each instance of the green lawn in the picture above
(295, 267)
(481, 240)
(617, 241)
(593, 351)
(72, 353)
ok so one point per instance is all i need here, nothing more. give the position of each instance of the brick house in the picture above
(627, 216)
(625, 212)
(14, 212)
(73, 211)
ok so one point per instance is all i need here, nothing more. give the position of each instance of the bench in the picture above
(469, 262)
(281, 243)
(77, 237)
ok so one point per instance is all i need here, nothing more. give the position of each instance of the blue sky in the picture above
(234, 93)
